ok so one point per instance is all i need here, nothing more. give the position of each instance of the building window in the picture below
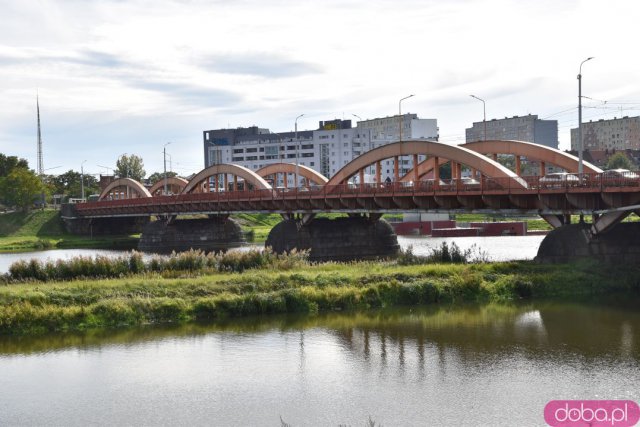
(238, 150)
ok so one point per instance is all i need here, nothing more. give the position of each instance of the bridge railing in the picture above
(609, 181)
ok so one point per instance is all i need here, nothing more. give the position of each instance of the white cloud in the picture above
(114, 76)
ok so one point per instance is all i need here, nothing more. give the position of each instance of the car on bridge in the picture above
(559, 180)
(619, 178)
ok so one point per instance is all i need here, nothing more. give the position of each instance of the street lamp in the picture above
(484, 115)
(164, 157)
(297, 147)
(82, 179)
(580, 144)
(400, 115)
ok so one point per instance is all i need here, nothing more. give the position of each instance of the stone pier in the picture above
(208, 234)
(74, 224)
(573, 242)
(340, 239)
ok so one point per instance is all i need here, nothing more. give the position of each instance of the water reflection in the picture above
(410, 366)
(540, 329)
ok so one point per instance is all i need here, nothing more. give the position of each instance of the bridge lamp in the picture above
(397, 167)
(164, 155)
(484, 115)
(580, 143)
(297, 149)
(400, 116)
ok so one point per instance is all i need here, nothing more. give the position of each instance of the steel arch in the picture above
(457, 154)
(129, 183)
(175, 181)
(517, 148)
(304, 171)
(249, 176)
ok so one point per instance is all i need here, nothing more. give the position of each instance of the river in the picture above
(488, 365)
(502, 248)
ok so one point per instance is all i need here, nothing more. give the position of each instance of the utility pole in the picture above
(580, 144)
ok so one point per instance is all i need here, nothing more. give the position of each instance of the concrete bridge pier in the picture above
(106, 226)
(620, 244)
(213, 234)
(339, 239)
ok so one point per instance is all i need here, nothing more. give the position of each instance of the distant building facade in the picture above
(526, 128)
(327, 149)
(616, 134)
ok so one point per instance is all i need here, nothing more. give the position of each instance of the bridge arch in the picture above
(124, 188)
(174, 184)
(249, 177)
(434, 150)
(541, 153)
(290, 168)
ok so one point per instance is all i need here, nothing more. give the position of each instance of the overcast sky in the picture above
(127, 76)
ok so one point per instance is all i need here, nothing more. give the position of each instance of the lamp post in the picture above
(82, 179)
(297, 148)
(580, 144)
(164, 157)
(398, 159)
(400, 116)
(484, 116)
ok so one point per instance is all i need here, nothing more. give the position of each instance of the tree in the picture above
(20, 188)
(69, 184)
(9, 163)
(619, 161)
(130, 167)
(157, 176)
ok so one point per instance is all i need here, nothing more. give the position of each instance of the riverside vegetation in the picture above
(84, 293)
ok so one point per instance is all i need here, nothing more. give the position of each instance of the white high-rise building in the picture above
(326, 150)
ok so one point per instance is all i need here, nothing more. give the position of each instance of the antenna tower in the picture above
(40, 162)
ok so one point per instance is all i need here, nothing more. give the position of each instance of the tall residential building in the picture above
(617, 134)
(526, 128)
(327, 149)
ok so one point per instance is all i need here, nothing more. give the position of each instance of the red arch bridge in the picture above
(224, 189)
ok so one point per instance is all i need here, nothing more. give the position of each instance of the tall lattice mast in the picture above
(40, 162)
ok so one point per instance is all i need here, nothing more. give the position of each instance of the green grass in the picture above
(205, 295)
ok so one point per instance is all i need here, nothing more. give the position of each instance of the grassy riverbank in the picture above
(43, 229)
(210, 291)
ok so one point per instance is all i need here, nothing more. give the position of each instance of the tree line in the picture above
(21, 188)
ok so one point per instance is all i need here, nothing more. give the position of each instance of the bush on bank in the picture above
(169, 290)
(103, 267)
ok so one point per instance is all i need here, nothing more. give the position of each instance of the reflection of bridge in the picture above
(226, 188)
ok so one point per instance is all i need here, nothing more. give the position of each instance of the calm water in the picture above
(476, 366)
(501, 248)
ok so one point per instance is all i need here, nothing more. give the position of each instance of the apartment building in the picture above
(525, 128)
(615, 134)
(326, 149)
